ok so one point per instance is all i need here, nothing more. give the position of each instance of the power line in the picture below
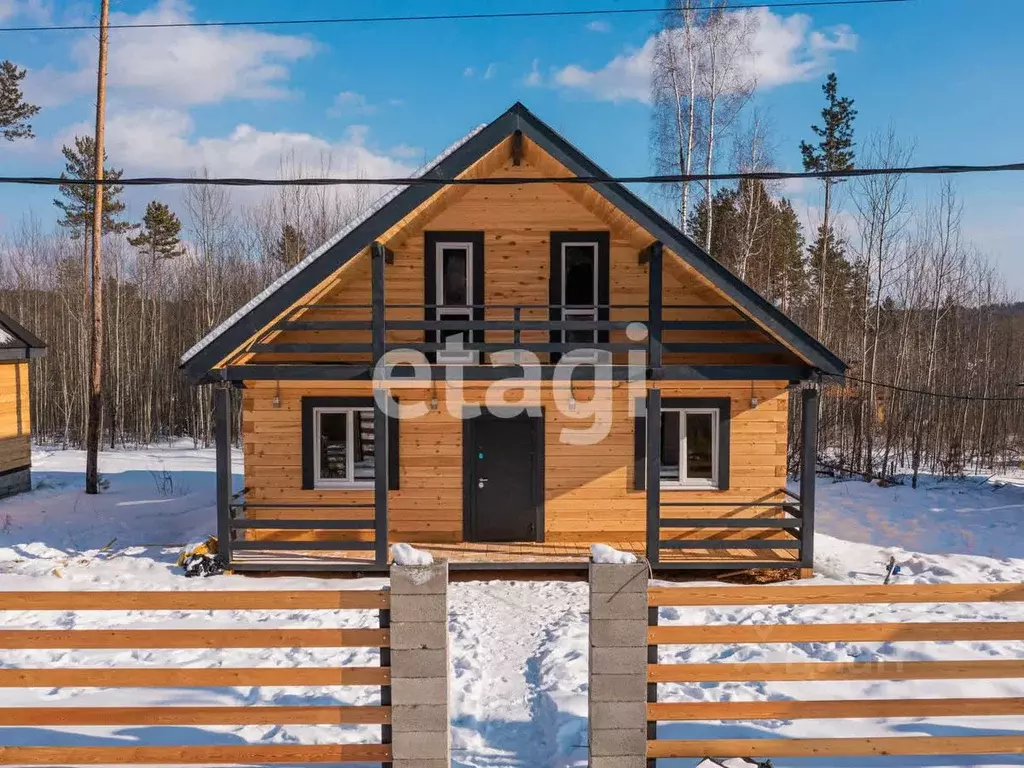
(439, 16)
(434, 181)
(942, 395)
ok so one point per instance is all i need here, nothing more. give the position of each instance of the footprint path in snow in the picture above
(508, 707)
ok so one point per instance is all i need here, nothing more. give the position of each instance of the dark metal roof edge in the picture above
(24, 335)
(621, 197)
(348, 247)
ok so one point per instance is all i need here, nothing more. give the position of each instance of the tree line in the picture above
(886, 281)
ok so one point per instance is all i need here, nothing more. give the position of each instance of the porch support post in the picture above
(381, 457)
(653, 483)
(222, 439)
(654, 298)
(808, 462)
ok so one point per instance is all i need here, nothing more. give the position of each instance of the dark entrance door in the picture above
(503, 494)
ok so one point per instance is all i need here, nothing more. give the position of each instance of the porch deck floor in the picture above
(512, 555)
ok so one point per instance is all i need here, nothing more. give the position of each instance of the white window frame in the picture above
(580, 312)
(455, 311)
(696, 483)
(349, 482)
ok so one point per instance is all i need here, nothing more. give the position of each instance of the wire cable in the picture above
(439, 16)
(942, 395)
(436, 181)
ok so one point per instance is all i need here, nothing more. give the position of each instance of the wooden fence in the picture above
(149, 677)
(663, 711)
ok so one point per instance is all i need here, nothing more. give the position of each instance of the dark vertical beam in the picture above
(222, 439)
(386, 736)
(652, 688)
(654, 299)
(808, 463)
(381, 457)
(653, 475)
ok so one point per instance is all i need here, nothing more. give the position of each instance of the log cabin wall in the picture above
(517, 222)
(15, 428)
(588, 489)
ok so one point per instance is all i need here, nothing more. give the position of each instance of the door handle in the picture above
(481, 482)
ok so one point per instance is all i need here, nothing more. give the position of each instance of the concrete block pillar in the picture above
(618, 665)
(421, 732)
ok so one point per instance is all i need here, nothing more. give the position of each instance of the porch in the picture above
(541, 556)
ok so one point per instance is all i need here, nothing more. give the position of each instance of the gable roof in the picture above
(16, 342)
(399, 203)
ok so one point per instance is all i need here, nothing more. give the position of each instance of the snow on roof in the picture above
(8, 339)
(345, 231)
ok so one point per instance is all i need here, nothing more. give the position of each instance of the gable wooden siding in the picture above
(517, 222)
(588, 489)
(15, 426)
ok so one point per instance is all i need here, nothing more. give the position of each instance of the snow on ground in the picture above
(519, 648)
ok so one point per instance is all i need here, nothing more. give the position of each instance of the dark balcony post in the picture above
(381, 459)
(517, 315)
(222, 440)
(653, 483)
(808, 463)
(654, 299)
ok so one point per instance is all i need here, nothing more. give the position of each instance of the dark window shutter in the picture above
(308, 439)
(723, 445)
(639, 447)
(393, 464)
(604, 292)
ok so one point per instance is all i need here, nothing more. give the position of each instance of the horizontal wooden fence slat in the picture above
(219, 677)
(814, 710)
(830, 633)
(860, 747)
(231, 755)
(235, 600)
(835, 670)
(262, 715)
(134, 639)
(835, 595)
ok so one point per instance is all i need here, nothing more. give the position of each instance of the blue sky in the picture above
(382, 98)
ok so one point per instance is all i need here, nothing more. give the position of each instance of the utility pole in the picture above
(92, 436)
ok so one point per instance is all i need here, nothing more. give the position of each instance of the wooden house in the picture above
(611, 382)
(17, 347)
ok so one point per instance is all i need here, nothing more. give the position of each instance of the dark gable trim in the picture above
(31, 345)
(558, 239)
(520, 118)
(724, 406)
(430, 241)
(309, 438)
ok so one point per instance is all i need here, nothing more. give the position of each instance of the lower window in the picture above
(344, 454)
(689, 448)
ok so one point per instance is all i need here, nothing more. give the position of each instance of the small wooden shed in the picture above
(17, 347)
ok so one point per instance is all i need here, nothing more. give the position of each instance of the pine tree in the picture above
(160, 235)
(78, 200)
(291, 247)
(15, 112)
(832, 152)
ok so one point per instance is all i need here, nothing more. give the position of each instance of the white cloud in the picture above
(491, 71)
(784, 50)
(598, 26)
(160, 139)
(351, 103)
(180, 66)
(469, 71)
(30, 10)
(534, 78)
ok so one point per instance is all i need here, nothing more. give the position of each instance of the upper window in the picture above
(579, 290)
(454, 274)
(689, 447)
(343, 440)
